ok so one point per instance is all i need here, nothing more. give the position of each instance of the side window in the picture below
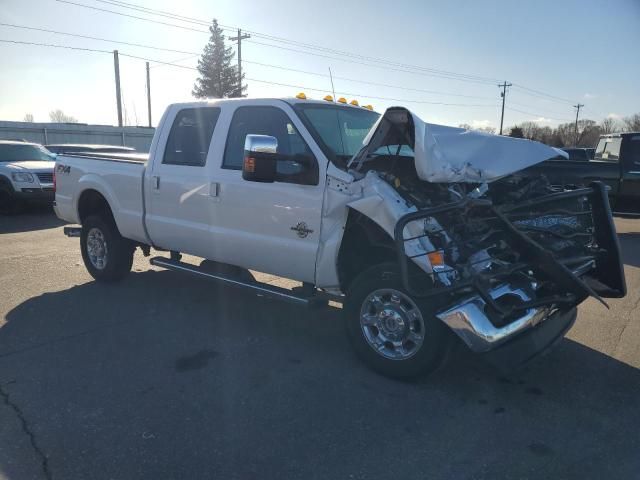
(190, 136)
(274, 122)
(634, 152)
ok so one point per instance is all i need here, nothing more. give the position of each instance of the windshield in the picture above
(338, 130)
(11, 152)
(608, 149)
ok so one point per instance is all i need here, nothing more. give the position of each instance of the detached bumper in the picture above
(525, 347)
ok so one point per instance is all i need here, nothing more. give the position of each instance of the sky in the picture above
(556, 53)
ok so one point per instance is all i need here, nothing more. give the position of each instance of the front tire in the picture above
(8, 201)
(107, 256)
(392, 332)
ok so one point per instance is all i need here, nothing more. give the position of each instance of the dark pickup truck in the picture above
(616, 163)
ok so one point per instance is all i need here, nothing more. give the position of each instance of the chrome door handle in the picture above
(156, 182)
(214, 189)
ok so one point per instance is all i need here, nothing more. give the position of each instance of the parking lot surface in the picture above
(164, 376)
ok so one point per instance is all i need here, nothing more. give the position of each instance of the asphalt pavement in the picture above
(164, 376)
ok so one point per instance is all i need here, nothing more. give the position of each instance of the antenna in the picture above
(333, 90)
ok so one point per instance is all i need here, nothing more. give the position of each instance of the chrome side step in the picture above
(262, 289)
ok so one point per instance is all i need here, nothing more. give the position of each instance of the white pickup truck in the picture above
(425, 233)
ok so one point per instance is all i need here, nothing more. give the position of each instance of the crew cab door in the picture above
(630, 157)
(178, 188)
(270, 227)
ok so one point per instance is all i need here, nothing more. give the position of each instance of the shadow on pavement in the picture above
(164, 376)
(32, 218)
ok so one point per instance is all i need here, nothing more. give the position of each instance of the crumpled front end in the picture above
(512, 257)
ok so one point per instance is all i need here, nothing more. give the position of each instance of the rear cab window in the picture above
(608, 149)
(190, 136)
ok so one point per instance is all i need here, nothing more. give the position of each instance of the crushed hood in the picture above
(448, 154)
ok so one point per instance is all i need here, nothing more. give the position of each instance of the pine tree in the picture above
(218, 78)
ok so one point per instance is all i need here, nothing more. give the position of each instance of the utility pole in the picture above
(239, 39)
(116, 66)
(577, 107)
(148, 95)
(503, 94)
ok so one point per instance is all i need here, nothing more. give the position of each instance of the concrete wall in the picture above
(44, 133)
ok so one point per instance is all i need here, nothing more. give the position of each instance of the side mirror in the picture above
(260, 158)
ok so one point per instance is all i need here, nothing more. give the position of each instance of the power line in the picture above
(175, 16)
(133, 16)
(194, 54)
(368, 64)
(535, 107)
(101, 39)
(182, 18)
(366, 82)
(538, 115)
(303, 87)
(538, 93)
(423, 70)
(56, 46)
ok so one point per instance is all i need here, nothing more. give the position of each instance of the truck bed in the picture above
(117, 177)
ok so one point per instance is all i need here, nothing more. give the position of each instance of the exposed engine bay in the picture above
(508, 253)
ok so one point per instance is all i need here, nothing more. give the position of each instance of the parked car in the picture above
(577, 153)
(616, 163)
(26, 175)
(425, 233)
(87, 148)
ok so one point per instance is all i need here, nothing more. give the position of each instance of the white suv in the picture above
(26, 174)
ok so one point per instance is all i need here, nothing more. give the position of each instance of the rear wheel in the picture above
(107, 255)
(394, 333)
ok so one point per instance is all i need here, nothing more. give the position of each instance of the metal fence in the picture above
(50, 133)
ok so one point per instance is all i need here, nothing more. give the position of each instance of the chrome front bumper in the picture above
(469, 320)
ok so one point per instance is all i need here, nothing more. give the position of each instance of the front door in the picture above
(270, 227)
(179, 187)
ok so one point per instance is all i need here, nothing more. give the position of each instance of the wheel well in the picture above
(92, 202)
(6, 182)
(364, 244)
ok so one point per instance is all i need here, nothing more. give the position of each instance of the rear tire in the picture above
(107, 256)
(393, 333)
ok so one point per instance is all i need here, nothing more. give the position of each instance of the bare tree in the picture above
(466, 126)
(58, 116)
(609, 125)
(28, 117)
(632, 123)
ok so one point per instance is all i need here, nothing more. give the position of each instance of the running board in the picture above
(262, 289)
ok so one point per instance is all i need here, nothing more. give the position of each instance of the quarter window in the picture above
(190, 136)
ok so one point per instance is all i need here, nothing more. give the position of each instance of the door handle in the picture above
(214, 189)
(156, 182)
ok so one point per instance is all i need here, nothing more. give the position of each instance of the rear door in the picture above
(269, 227)
(179, 187)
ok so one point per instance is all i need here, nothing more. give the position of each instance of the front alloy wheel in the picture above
(392, 332)
(392, 324)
